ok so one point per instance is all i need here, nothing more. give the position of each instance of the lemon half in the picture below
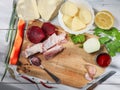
(104, 20)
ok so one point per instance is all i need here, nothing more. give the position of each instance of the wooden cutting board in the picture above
(69, 65)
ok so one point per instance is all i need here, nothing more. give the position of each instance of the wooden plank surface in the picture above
(69, 65)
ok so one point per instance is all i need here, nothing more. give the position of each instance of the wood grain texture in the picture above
(69, 65)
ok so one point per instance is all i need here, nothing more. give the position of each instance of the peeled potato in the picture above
(85, 16)
(91, 45)
(69, 8)
(67, 20)
(77, 24)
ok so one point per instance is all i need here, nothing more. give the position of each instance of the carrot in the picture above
(17, 43)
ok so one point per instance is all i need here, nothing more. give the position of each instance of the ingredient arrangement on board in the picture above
(65, 53)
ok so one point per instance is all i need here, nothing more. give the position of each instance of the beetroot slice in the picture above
(35, 34)
(48, 28)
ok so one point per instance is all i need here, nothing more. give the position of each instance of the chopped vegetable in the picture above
(91, 45)
(48, 28)
(77, 38)
(17, 44)
(35, 34)
(111, 39)
(69, 8)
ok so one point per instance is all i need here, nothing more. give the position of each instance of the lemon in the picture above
(104, 20)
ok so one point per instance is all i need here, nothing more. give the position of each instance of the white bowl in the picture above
(79, 3)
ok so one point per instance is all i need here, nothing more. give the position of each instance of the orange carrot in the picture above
(17, 43)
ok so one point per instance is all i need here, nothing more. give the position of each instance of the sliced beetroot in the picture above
(48, 28)
(35, 34)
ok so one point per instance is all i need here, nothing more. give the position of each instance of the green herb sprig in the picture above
(110, 38)
(78, 39)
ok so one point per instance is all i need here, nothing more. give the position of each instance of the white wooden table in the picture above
(5, 12)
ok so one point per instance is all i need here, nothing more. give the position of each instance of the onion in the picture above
(91, 45)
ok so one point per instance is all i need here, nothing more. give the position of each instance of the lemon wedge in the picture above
(104, 20)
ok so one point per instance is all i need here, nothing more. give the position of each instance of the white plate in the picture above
(79, 3)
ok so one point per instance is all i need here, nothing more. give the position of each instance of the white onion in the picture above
(91, 45)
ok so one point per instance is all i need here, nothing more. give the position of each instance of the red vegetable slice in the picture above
(35, 34)
(18, 42)
(48, 28)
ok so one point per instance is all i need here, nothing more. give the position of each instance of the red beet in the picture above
(35, 34)
(48, 28)
(103, 59)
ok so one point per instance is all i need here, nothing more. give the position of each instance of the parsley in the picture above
(111, 39)
(77, 38)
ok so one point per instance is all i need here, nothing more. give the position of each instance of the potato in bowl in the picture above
(76, 16)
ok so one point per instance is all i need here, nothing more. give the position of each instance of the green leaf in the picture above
(113, 47)
(117, 36)
(104, 40)
(111, 39)
(113, 32)
(118, 49)
(77, 38)
(112, 54)
(98, 31)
